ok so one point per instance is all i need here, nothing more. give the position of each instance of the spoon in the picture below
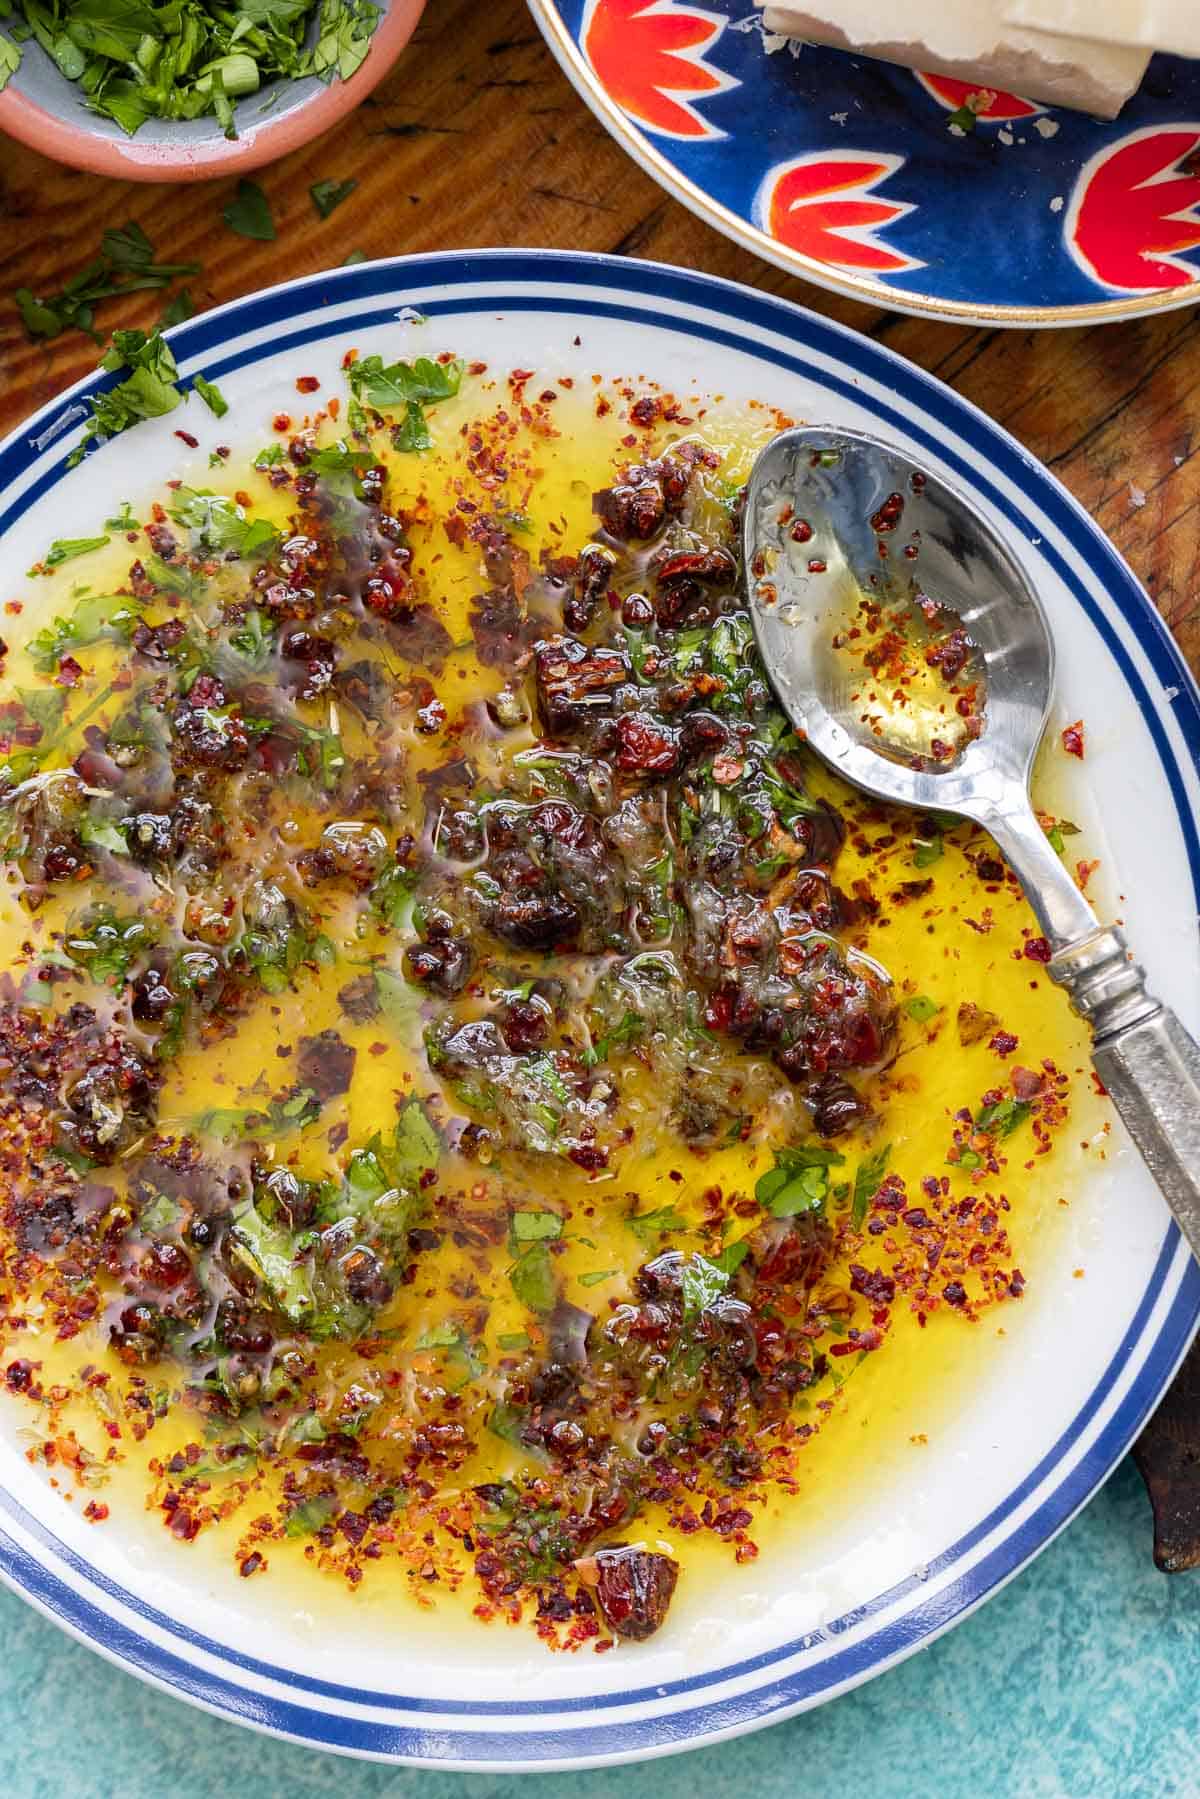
(849, 548)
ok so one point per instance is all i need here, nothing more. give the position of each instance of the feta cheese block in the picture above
(1172, 25)
(970, 41)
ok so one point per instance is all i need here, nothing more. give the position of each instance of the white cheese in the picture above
(969, 40)
(1149, 24)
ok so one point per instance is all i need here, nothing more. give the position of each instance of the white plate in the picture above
(1084, 1360)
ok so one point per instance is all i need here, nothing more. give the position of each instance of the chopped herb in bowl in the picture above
(133, 61)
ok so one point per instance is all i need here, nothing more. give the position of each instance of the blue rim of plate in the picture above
(633, 1723)
(845, 171)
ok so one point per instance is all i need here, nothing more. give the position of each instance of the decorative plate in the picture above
(851, 172)
(1081, 1362)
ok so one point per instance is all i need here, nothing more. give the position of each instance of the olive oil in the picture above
(924, 903)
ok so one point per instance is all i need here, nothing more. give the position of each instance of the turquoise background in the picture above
(1081, 1678)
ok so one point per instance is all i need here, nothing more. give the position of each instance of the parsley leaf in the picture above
(799, 1181)
(179, 307)
(650, 1226)
(326, 195)
(532, 1278)
(10, 60)
(105, 944)
(220, 524)
(701, 1282)
(1004, 1117)
(866, 1183)
(249, 213)
(400, 384)
(212, 396)
(345, 27)
(310, 1515)
(533, 1227)
(412, 433)
(66, 549)
(126, 264)
(416, 1145)
(97, 616)
(148, 392)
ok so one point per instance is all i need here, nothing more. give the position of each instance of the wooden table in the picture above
(476, 139)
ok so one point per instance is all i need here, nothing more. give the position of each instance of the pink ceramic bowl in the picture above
(39, 107)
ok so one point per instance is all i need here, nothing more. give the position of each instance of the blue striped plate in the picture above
(1083, 1361)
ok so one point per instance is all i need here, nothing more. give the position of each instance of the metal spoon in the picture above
(820, 504)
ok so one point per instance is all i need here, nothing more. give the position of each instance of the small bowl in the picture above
(41, 108)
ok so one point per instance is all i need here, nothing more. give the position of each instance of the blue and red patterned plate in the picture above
(854, 174)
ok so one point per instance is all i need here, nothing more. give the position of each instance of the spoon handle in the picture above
(1148, 1063)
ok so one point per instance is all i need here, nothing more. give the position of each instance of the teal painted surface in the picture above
(1082, 1678)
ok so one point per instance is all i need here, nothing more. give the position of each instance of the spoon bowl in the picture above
(835, 515)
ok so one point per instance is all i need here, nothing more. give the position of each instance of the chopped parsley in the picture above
(412, 386)
(249, 213)
(212, 396)
(799, 1181)
(126, 264)
(66, 549)
(134, 61)
(866, 1183)
(149, 390)
(326, 195)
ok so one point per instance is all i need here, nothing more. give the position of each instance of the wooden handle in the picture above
(1168, 1458)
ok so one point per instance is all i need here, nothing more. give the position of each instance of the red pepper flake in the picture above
(183, 1525)
(817, 566)
(281, 422)
(187, 438)
(1037, 949)
(1003, 1043)
(307, 384)
(1072, 739)
(801, 531)
(95, 1511)
(1027, 1084)
(251, 1565)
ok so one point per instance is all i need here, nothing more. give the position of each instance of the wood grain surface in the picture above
(476, 139)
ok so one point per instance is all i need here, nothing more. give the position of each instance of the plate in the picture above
(846, 171)
(1083, 1360)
